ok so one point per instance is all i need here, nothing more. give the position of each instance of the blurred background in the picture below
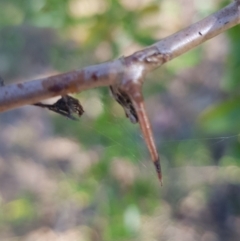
(93, 179)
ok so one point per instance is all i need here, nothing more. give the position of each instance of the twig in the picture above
(124, 75)
(105, 74)
(67, 106)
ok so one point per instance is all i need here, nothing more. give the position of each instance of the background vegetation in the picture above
(93, 179)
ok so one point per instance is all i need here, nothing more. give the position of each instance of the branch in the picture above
(105, 74)
(124, 75)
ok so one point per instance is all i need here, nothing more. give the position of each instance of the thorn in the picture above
(158, 169)
(147, 132)
(131, 99)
